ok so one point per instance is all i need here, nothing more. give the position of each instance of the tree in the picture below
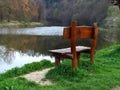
(62, 12)
(41, 10)
(1, 11)
(22, 10)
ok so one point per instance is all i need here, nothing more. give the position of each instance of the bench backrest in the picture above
(73, 32)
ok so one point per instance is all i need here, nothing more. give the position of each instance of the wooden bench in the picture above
(73, 32)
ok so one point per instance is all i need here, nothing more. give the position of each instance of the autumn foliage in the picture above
(54, 12)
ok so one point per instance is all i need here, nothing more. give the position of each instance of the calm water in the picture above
(53, 30)
(26, 45)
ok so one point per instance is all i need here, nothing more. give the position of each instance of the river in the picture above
(26, 45)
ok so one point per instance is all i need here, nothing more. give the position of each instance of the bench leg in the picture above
(57, 60)
(92, 57)
(78, 57)
(75, 62)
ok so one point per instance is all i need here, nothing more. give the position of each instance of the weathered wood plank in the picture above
(68, 50)
(81, 32)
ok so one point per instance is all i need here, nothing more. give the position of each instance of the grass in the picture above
(26, 69)
(17, 24)
(103, 75)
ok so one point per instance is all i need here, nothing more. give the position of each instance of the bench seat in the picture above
(67, 51)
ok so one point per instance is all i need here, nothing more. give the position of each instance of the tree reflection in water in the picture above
(27, 44)
(34, 45)
(6, 54)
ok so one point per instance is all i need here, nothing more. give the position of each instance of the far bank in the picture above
(17, 24)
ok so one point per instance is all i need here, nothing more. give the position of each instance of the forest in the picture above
(54, 12)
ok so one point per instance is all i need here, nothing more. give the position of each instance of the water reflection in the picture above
(6, 55)
(19, 49)
(39, 45)
(31, 45)
(19, 60)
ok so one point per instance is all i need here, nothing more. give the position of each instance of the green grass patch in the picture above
(104, 74)
(26, 69)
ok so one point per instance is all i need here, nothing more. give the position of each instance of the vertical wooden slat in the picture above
(73, 44)
(57, 60)
(66, 33)
(93, 47)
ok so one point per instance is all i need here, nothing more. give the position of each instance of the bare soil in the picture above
(116, 88)
(38, 77)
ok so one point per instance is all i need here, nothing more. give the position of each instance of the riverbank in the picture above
(17, 24)
(103, 75)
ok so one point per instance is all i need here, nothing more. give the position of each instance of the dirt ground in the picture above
(38, 77)
(116, 88)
